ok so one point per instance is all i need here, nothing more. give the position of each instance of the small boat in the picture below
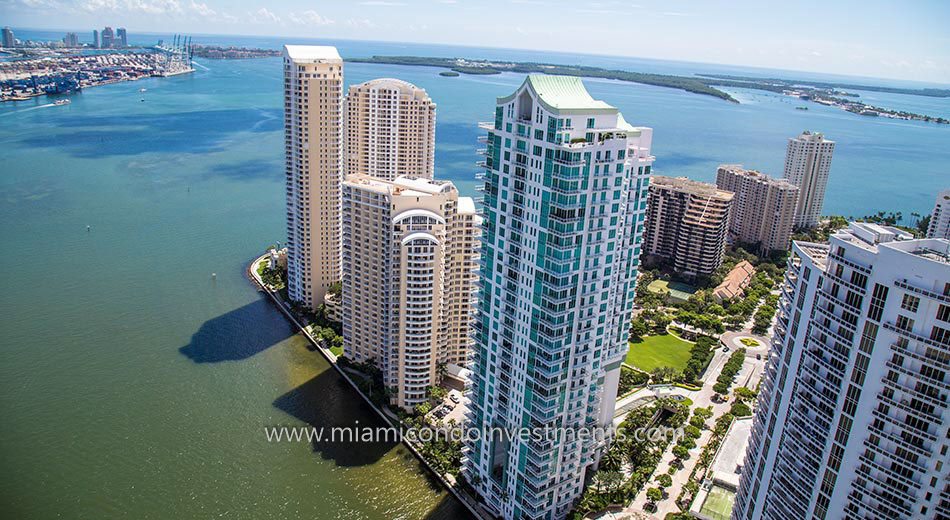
(143, 89)
(61, 102)
(801, 108)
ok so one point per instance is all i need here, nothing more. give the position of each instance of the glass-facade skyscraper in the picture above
(565, 193)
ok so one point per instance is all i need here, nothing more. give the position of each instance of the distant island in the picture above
(464, 66)
(818, 92)
(214, 52)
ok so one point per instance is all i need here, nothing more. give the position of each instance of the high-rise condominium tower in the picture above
(390, 130)
(9, 41)
(686, 224)
(121, 37)
(107, 38)
(940, 218)
(313, 126)
(410, 250)
(564, 197)
(763, 209)
(807, 164)
(852, 418)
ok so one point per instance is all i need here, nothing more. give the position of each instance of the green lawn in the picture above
(337, 351)
(659, 351)
(718, 504)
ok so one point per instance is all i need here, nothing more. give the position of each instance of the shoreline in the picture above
(449, 486)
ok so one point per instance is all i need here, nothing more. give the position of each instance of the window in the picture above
(910, 303)
(590, 122)
(904, 323)
(943, 313)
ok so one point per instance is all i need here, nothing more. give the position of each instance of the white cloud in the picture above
(133, 6)
(360, 23)
(310, 17)
(203, 9)
(262, 15)
(382, 3)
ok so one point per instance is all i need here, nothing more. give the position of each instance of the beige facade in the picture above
(763, 210)
(807, 165)
(390, 130)
(410, 250)
(313, 126)
(686, 224)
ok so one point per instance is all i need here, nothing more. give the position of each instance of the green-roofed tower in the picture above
(565, 193)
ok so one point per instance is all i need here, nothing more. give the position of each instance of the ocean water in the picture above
(133, 383)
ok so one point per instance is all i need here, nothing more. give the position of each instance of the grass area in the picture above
(718, 504)
(337, 351)
(749, 342)
(659, 351)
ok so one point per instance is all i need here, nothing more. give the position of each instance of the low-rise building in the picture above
(734, 284)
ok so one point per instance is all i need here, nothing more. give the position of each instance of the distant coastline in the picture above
(824, 93)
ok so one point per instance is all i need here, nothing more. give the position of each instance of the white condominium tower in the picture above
(763, 209)
(390, 130)
(313, 125)
(410, 252)
(807, 164)
(940, 218)
(852, 418)
(566, 183)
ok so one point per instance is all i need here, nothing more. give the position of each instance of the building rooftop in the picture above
(311, 53)
(734, 282)
(757, 175)
(403, 185)
(690, 186)
(727, 466)
(561, 93)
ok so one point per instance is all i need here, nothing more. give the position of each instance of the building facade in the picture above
(313, 127)
(686, 224)
(121, 37)
(852, 420)
(565, 190)
(410, 249)
(390, 130)
(763, 209)
(95, 39)
(940, 218)
(807, 165)
(9, 40)
(107, 38)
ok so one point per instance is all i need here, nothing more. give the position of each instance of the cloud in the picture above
(262, 15)
(382, 3)
(133, 6)
(675, 13)
(202, 9)
(360, 23)
(309, 17)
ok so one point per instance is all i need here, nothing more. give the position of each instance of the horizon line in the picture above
(929, 84)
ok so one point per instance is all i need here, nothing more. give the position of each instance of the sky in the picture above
(875, 38)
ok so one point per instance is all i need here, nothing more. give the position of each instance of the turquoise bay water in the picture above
(134, 384)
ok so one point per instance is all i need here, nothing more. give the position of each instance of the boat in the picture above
(61, 102)
(143, 89)
(801, 108)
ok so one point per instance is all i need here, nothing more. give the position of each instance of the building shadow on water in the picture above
(238, 334)
(327, 401)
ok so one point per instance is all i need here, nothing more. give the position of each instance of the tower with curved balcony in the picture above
(410, 250)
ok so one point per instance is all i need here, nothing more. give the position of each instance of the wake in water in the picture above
(27, 109)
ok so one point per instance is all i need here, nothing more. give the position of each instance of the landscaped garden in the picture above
(749, 342)
(662, 351)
